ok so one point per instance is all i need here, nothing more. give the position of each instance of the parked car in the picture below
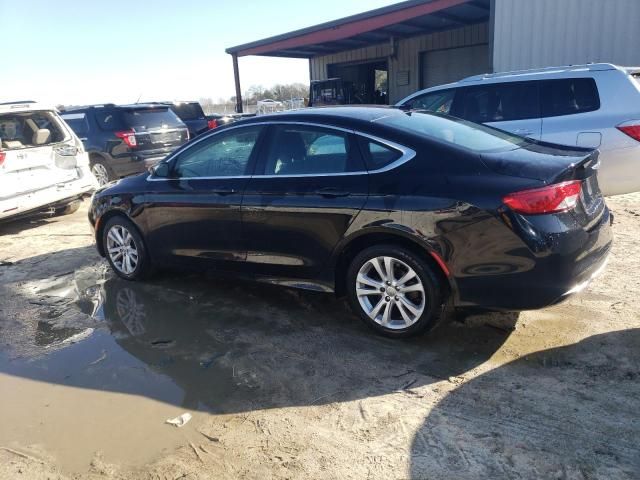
(400, 211)
(126, 139)
(596, 106)
(194, 118)
(43, 165)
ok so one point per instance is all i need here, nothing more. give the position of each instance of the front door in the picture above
(309, 186)
(193, 216)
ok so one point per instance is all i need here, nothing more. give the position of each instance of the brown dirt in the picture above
(286, 384)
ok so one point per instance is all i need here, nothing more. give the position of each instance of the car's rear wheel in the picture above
(394, 291)
(125, 250)
(101, 171)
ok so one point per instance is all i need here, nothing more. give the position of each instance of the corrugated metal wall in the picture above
(541, 33)
(407, 57)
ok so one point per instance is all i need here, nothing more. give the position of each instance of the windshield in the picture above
(188, 111)
(455, 131)
(30, 129)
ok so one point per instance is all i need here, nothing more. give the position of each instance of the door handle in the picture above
(223, 191)
(330, 192)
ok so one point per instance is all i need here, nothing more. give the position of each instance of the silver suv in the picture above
(595, 105)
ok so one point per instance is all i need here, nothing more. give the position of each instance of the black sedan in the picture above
(402, 212)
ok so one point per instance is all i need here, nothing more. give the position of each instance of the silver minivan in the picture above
(595, 105)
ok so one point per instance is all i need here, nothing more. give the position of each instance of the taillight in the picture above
(128, 137)
(213, 123)
(3, 155)
(552, 199)
(631, 128)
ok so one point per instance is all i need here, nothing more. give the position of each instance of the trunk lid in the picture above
(552, 164)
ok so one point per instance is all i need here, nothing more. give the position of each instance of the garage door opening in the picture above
(368, 82)
(438, 67)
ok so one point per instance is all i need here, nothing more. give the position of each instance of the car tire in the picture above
(68, 209)
(125, 249)
(410, 303)
(103, 172)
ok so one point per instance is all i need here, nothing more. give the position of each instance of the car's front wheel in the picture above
(394, 291)
(125, 250)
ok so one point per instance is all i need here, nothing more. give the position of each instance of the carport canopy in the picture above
(401, 20)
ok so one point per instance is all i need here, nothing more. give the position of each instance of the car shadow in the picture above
(217, 344)
(567, 412)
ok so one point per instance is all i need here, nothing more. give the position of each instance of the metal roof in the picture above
(401, 20)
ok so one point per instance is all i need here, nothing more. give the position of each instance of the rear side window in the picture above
(29, 129)
(301, 150)
(439, 102)
(77, 122)
(377, 155)
(569, 96)
(149, 118)
(501, 102)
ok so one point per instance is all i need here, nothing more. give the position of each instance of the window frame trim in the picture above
(407, 153)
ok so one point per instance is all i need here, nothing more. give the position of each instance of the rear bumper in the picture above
(53, 196)
(529, 280)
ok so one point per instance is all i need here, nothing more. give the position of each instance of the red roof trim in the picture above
(357, 27)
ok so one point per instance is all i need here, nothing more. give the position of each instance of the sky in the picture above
(122, 51)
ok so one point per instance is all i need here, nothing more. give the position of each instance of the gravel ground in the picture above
(287, 384)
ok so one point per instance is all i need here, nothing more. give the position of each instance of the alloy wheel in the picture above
(122, 249)
(390, 292)
(101, 173)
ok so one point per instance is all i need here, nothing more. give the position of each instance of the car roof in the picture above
(24, 106)
(113, 105)
(346, 112)
(523, 75)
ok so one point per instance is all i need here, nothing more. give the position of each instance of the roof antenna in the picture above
(139, 96)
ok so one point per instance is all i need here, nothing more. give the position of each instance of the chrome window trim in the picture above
(407, 153)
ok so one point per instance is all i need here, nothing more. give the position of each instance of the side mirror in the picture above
(160, 170)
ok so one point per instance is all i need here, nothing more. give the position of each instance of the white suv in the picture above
(595, 105)
(43, 165)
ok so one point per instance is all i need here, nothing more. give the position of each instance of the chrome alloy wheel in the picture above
(390, 292)
(122, 249)
(100, 172)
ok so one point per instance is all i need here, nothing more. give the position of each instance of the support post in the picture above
(236, 76)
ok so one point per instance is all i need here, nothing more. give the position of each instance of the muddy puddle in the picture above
(105, 359)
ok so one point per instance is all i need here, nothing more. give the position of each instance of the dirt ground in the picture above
(285, 384)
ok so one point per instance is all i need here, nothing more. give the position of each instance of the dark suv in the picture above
(194, 118)
(126, 139)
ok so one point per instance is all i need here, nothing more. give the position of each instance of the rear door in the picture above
(194, 215)
(309, 186)
(510, 106)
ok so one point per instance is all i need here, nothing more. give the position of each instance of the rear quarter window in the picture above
(188, 111)
(568, 96)
(77, 122)
(377, 155)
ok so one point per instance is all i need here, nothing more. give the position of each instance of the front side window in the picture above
(302, 150)
(500, 102)
(226, 154)
(438, 102)
(569, 96)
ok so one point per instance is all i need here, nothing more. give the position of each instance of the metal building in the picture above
(420, 43)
